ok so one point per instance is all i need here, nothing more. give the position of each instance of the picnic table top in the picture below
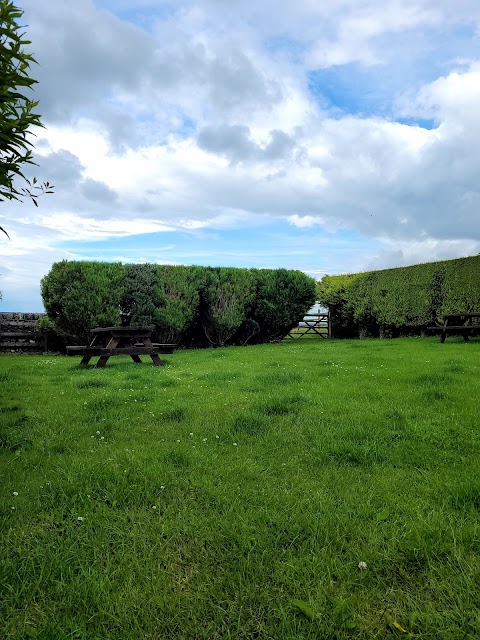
(124, 330)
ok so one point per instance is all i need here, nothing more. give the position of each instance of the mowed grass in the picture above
(233, 493)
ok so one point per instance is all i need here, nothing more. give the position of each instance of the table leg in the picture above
(155, 359)
(443, 335)
(129, 343)
(86, 359)
(102, 361)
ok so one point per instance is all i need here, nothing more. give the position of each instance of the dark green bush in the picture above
(81, 295)
(228, 294)
(332, 293)
(283, 297)
(177, 297)
(138, 301)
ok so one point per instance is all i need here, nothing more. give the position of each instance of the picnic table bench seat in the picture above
(137, 349)
(465, 324)
(75, 350)
(162, 348)
(457, 328)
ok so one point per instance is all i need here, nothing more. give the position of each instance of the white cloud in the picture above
(303, 221)
(359, 32)
(398, 254)
(82, 228)
(451, 99)
(201, 118)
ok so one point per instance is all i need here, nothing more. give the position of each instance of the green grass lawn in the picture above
(234, 492)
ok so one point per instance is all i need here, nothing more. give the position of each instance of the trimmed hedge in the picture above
(138, 300)
(283, 297)
(177, 298)
(227, 295)
(192, 306)
(80, 295)
(400, 301)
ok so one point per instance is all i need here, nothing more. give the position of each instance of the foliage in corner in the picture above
(17, 109)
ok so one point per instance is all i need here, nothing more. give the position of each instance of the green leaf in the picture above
(304, 608)
(383, 515)
(394, 625)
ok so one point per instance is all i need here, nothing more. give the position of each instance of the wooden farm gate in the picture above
(314, 323)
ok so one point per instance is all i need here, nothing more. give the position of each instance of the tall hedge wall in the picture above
(393, 302)
(192, 306)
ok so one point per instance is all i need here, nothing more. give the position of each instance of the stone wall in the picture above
(18, 333)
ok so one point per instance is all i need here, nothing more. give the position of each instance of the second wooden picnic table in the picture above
(122, 341)
(463, 323)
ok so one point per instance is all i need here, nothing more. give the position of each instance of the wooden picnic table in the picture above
(121, 341)
(463, 323)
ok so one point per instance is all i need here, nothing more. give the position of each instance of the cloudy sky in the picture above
(324, 136)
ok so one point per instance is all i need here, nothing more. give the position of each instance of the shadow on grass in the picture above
(280, 378)
(281, 406)
(250, 424)
(176, 415)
